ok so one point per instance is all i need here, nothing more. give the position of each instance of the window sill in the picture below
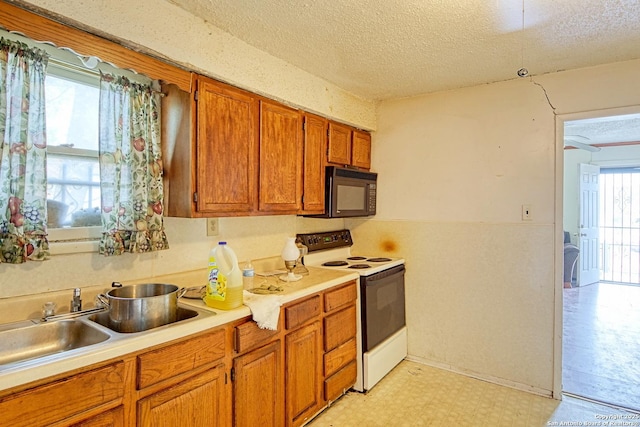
(70, 247)
(74, 240)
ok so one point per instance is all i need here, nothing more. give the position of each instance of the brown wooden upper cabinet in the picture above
(280, 189)
(314, 148)
(228, 152)
(339, 148)
(226, 147)
(210, 150)
(361, 149)
(348, 146)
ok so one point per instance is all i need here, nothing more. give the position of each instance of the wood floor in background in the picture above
(601, 343)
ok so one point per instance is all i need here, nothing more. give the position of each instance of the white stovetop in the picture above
(316, 259)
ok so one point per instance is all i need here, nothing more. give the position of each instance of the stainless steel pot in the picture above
(136, 308)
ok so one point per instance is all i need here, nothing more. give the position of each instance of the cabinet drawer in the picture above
(64, 398)
(339, 328)
(339, 357)
(248, 335)
(337, 298)
(341, 381)
(175, 359)
(297, 314)
(111, 418)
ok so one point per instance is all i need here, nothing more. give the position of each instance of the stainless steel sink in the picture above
(28, 340)
(104, 319)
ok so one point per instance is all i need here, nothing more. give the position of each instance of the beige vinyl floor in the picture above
(418, 395)
(601, 360)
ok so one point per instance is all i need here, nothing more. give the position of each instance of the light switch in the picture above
(526, 213)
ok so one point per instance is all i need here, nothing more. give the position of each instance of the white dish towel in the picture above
(264, 308)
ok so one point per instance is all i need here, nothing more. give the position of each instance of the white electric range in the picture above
(382, 332)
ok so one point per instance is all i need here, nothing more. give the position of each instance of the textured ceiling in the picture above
(382, 49)
(604, 130)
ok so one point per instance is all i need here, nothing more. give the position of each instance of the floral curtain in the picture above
(130, 168)
(23, 180)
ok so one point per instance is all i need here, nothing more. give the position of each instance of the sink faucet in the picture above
(76, 302)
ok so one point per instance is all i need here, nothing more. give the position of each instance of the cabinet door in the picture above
(303, 381)
(280, 158)
(195, 402)
(313, 176)
(226, 149)
(361, 149)
(258, 390)
(339, 150)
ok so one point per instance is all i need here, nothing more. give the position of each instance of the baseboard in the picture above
(482, 377)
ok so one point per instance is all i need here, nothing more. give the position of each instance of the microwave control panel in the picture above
(372, 199)
(326, 240)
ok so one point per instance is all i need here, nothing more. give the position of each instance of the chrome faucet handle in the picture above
(48, 309)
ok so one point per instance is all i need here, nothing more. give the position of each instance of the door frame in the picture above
(560, 120)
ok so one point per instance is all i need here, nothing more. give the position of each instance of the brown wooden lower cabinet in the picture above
(303, 360)
(70, 398)
(198, 401)
(278, 378)
(339, 336)
(257, 377)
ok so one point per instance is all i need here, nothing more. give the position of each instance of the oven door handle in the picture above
(375, 278)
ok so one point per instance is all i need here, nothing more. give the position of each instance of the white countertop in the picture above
(17, 374)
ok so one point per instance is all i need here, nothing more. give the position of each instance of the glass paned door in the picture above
(620, 225)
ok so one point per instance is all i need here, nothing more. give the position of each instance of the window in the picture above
(17, 22)
(73, 174)
(72, 95)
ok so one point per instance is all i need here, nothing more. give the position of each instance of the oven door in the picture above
(382, 308)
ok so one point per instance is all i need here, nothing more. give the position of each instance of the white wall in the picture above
(189, 40)
(159, 26)
(483, 295)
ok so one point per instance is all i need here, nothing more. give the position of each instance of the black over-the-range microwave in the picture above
(349, 193)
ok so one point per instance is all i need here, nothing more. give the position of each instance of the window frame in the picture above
(124, 55)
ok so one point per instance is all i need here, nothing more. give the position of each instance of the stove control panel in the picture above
(326, 240)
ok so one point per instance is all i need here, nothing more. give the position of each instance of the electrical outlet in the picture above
(212, 226)
(526, 213)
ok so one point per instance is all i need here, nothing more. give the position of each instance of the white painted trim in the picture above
(559, 229)
(558, 268)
